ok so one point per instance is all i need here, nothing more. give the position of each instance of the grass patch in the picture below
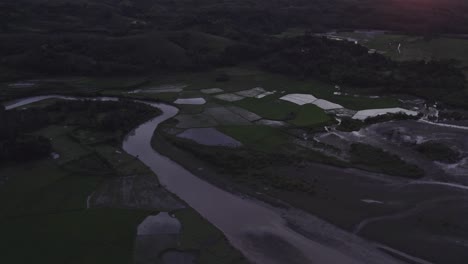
(269, 109)
(68, 193)
(91, 164)
(310, 116)
(122, 163)
(438, 152)
(87, 236)
(68, 149)
(21, 183)
(92, 137)
(258, 137)
(55, 131)
(303, 116)
(197, 231)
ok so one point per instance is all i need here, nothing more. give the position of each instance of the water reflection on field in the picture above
(209, 137)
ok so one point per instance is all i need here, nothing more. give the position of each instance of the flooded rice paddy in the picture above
(209, 137)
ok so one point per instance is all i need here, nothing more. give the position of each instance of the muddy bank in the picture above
(350, 197)
(304, 224)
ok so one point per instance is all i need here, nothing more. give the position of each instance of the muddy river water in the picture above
(259, 231)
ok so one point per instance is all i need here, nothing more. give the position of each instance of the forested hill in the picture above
(131, 37)
(227, 17)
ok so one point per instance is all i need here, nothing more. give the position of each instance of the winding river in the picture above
(258, 230)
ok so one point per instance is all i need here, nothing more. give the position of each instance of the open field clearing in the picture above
(259, 137)
(310, 116)
(269, 108)
(307, 115)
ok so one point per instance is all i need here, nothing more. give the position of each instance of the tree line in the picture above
(343, 62)
(19, 143)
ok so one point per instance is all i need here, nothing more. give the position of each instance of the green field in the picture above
(74, 236)
(269, 107)
(243, 78)
(310, 116)
(263, 138)
(197, 231)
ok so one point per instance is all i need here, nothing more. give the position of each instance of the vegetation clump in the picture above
(18, 144)
(248, 166)
(351, 64)
(438, 152)
(348, 124)
(379, 160)
(15, 143)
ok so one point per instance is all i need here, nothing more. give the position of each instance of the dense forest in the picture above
(18, 142)
(111, 37)
(97, 37)
(347, 63)
(228, 17)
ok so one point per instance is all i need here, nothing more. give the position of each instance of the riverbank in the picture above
(346, 198)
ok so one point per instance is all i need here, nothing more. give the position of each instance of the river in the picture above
(260, 231)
